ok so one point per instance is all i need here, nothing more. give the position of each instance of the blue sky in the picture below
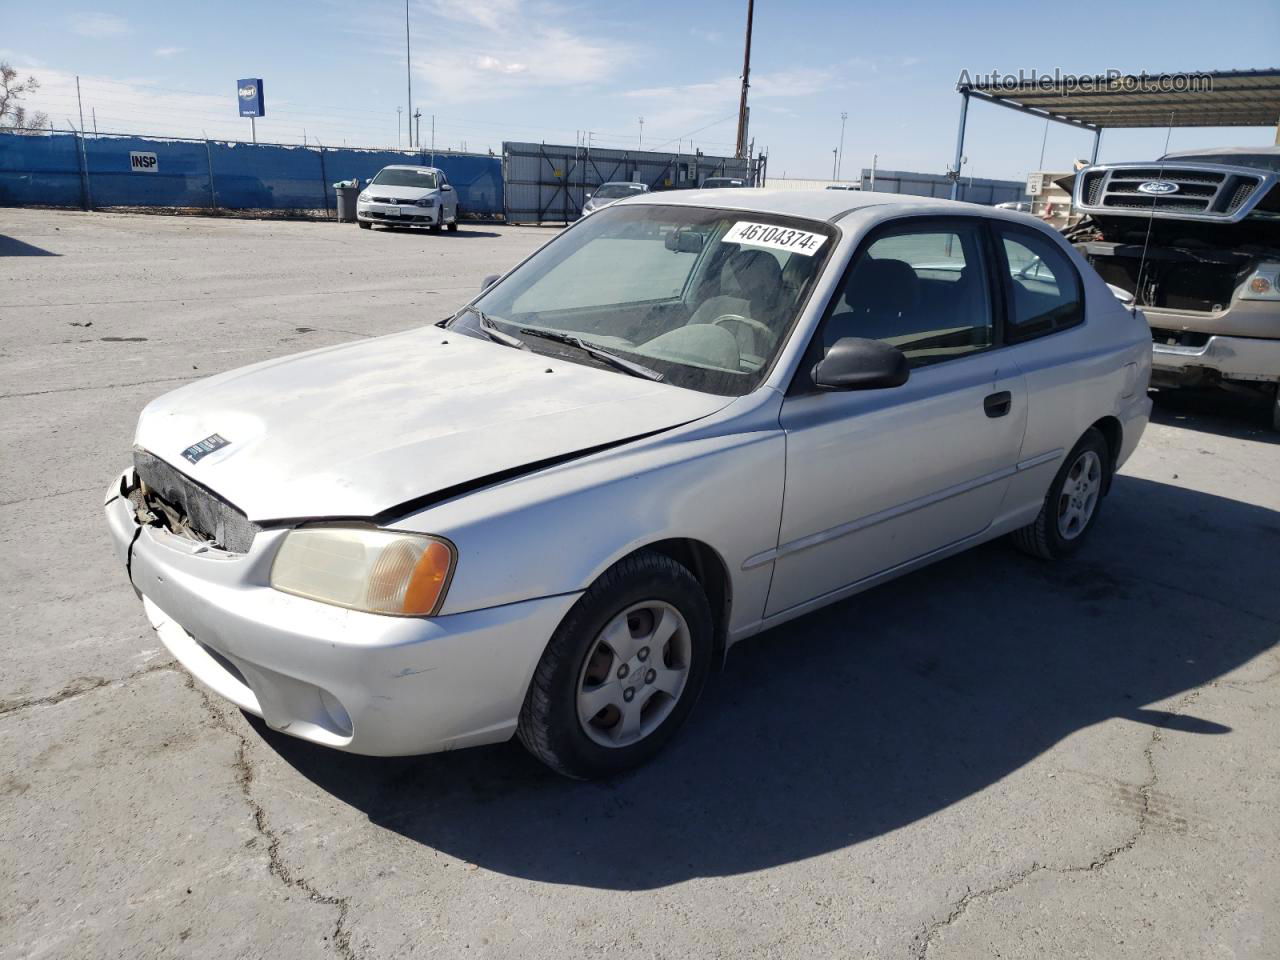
(538, 70)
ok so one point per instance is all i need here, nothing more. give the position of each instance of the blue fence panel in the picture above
(249, 176)
(180, 177)
(39, 169)
(45, 169)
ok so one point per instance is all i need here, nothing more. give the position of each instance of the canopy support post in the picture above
(955, 166)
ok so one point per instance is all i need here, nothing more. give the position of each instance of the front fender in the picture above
(556, 531)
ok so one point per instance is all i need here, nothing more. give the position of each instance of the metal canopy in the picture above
(1223, 98)
(1226, 98)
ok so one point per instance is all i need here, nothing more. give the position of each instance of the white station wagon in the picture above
(688, 418)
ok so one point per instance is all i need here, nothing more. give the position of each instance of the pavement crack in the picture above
(78, 687)
(926, 938)
(276, 864)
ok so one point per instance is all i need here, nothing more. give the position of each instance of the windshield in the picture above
(1261, 161)
(707, 298)
(388, 177)
(612, 191)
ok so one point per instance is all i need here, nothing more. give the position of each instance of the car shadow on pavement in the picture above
(9, 247)
(1227, 414)
(872, 714)
(462, 233)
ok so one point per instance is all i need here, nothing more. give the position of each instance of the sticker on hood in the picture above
(775, 238)
(198, 451)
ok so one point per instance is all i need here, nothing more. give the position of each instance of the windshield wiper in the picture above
(491, 330)
(599, 353)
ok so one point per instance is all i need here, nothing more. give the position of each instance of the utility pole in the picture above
(746, 83)
(433, 139)
(81, 104)
(835, 154)
(408, 66)
(94, 111)
(417, 116)
(840, 162)
(874, 157)
(398, 140)
(641, 146)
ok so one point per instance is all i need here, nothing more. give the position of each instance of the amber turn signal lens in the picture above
(428, 580)
(1260, 285)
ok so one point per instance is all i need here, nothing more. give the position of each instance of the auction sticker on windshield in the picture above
(776, 238)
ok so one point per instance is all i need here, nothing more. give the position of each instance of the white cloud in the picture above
(487, 62)
(497, 49)
(167, 52)
(94, 24)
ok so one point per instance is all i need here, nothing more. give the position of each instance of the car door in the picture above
(449, 198)
(878, 478)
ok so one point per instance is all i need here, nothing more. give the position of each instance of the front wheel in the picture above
(622, 671)
(1072, 503)
(365, 224)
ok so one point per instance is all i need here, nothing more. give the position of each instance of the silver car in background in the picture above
(687, 419)
(612, 192)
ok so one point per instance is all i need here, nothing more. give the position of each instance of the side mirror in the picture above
(446, 188)
(489, 281)
(856, 363)
(588, 196)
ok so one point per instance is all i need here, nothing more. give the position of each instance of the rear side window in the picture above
(1044, 287)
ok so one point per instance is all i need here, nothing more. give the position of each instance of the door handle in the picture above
(998, 404)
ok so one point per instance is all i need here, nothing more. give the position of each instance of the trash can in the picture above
(347, 191)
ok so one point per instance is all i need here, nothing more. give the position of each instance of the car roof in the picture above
(411, 166)
(811, 204)
(624, 183)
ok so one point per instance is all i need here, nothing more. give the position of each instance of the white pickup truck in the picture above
(1195, 236)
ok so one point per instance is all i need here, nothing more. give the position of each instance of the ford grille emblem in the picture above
(1158, 188)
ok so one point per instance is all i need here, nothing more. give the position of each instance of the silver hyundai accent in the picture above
(689, 418)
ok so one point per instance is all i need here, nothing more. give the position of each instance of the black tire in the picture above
(1275, 410)
(365, 224)
(1042, 538)
(549, 726)
(453, 224)
(439, 224)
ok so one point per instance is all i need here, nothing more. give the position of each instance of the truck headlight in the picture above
(1263, 284)
(364, 568)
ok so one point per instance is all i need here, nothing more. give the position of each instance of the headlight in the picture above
(1264, 284)
(427, 201)
(363, 568)
(362, 197)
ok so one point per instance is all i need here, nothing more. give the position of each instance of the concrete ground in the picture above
(994, 757)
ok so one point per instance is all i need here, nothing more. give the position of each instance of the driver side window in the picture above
(922, 289)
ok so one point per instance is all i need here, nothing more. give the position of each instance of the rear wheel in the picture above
(1072, 503)
(622, 671)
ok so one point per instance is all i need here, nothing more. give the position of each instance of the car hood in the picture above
(358, 429)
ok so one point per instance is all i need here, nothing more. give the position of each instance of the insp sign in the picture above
(143, 162)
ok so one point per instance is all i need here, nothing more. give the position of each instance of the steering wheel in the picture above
(760, 328)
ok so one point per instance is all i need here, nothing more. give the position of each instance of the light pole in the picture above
(835, 155)
(398, 140)
(641, 146)
(840, 162)
(408, 67)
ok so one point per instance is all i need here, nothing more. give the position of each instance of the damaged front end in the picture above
(164, 497)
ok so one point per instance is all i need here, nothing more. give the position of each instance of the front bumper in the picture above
(405, 216)
(1231, 358)
(359, 682)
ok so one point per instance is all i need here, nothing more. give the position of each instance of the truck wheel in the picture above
(1071, 506)
(622, 671)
